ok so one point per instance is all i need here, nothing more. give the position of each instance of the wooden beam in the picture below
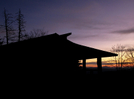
(99, 63)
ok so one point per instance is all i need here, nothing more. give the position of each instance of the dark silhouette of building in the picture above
(46, 55)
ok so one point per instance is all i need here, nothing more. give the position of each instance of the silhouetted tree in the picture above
(10, 32)
(35, 33)
(130, 55)
(21, 26)
(8, 26)
(120, 50)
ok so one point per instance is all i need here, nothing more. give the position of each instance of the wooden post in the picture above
(84, 65)
(99, 63)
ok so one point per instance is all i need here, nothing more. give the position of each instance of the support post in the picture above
(99, 63)
(84, 65)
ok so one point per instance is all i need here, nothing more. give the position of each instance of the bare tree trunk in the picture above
(20, 19)
(19, 27)
(6, 19)
(8, 26)
(19, 23)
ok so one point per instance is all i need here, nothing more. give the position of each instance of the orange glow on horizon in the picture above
(106, 62)
(92, 65)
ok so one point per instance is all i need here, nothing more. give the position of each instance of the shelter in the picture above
(81, 52)
(51, 53)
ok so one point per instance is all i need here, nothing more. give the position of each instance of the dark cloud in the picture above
(125, 31)
(91, 62)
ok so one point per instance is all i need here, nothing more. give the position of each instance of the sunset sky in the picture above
(94, 23)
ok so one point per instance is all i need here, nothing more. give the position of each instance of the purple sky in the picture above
(94, 23)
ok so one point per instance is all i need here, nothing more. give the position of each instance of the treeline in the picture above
(125, 56)
(14, 28)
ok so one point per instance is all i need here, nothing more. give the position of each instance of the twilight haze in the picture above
(93, 23)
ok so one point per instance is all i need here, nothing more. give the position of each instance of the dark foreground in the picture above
(71, 76)
(59, 85)
(117, 76)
